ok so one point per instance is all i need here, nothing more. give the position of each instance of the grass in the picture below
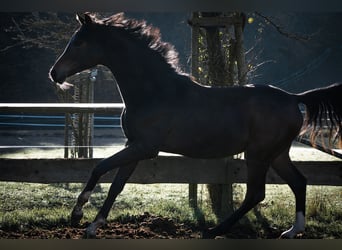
(27, 205)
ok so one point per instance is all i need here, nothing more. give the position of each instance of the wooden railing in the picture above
(162, 169)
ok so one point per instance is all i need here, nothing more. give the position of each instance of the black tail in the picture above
(323, 109)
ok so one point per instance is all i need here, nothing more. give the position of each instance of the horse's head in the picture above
(82, 52)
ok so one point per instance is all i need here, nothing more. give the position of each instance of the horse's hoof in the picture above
(89, 235)
(76, 218)
(90, 232)
(293, 232)
(287, 235)
(284, 236)
(208, 234)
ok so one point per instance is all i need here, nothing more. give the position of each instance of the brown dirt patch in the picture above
(144, 226)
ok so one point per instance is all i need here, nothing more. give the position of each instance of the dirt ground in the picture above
(145, 226)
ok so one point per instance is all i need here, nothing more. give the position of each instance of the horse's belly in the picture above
(208, 143)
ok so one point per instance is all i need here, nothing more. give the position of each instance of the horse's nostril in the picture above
(56, 76)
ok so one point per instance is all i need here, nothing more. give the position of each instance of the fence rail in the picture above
(53, 121)
(163, 169)
(113, 108)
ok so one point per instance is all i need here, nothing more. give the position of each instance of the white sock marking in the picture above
(297, 228)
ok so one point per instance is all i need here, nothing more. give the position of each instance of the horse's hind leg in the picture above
(255, 193)
(297, 182)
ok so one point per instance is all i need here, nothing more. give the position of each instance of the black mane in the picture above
(146, 33)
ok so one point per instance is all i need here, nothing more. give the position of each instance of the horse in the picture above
(166, 110)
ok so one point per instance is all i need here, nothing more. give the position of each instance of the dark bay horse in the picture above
(165, 110)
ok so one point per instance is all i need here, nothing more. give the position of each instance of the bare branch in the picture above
(299, 37)
(48, 32)
(16, 44)
(18, 27)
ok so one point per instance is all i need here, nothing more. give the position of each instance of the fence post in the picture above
(194, 72)
(227, 193)
(82, 124)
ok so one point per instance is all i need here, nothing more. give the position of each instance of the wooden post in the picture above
(194, 47)
(220, 194)
(221, 71)
(64, 97)
(66, 135)
(194, 72)
(91, 117)
(82, 132)
(240, 51)
(227, 192)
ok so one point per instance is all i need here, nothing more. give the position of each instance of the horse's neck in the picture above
(142, 85)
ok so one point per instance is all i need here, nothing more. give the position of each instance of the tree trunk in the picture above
(218, 73)
(223, 64)
(240, 51)
(217, 68)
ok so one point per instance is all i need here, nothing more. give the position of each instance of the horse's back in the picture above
(222, 121)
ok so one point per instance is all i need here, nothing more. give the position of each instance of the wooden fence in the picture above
(163, 169)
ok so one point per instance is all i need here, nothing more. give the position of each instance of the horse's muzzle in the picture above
(55, 77)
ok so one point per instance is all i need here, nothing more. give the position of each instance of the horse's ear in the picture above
(80, 18)
(83, 18)
(87, 18)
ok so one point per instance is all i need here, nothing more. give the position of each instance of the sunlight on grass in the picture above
(27, 205)
(40, 204)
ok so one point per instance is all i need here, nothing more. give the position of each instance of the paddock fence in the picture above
(163, 169)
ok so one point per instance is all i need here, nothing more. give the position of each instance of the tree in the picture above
(220, 62)
(48, 30)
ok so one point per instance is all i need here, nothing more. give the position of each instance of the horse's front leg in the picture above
(115, 189)
(126, 160)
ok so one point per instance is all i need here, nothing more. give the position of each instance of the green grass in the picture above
(25, 205)
(323, 210)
